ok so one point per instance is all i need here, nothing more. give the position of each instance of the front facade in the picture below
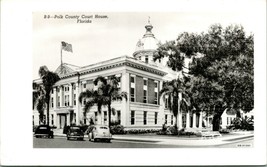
(140, 77)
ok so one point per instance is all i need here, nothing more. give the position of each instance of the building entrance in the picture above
(62, 120)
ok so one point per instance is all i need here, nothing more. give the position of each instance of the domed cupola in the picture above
(146, 46)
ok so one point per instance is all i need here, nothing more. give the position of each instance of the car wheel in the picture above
(68, 138)
(108, 140)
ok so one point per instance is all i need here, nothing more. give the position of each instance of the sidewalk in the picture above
(177, 140)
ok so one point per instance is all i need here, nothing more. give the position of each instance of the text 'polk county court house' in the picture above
(139, 76)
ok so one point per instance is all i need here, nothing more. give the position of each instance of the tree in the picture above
(227, 67)
(48, 80)
(175, 88)
(107, 92)
(221, 71)
(172, 89)
(38, 100)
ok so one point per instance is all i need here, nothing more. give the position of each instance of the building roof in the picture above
(68, 71)
(148, 42)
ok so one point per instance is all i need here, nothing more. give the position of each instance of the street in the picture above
(62, 142)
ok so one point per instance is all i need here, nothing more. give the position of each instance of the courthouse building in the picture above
(140, 77)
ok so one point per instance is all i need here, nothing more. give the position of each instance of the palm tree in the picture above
(174, 89)
(38, 100)
(48, 80)
(107, 92)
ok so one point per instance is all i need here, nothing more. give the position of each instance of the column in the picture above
(187, 120)
(194, 120)
(68, 119)
(78, 105)
(179, 111)
(70, 94)
(55, 98)
(200, 120)
(208, 122)
(61, 95)
(58, 122)
(161, 117)
(125, 82)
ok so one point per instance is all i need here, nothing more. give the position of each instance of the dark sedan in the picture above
(75, 132)
(44, 131)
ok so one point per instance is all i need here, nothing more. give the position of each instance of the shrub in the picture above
(242, 123)
(142, 131)
(117, 129)
(172, 130)
(34, 127)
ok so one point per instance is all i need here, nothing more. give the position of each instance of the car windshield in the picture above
(103, 127)
(42, 127)
(75, 128)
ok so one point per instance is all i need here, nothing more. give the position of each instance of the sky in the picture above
(116, 35)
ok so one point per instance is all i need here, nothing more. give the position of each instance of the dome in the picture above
(147, 43)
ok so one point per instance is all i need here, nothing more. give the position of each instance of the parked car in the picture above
(44, 131)
(75, 132)
(99, 132)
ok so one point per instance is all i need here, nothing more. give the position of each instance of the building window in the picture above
(171, 119)
(132, 79)
(166, 118)
(58, 101)
(132, 117)
(52, 119)
(74, 100)
(166, 102)
(84, 121)
(145, 82)
(156, 98)
(132, 95)
(156, 118)
(145, 117)
(105, 117)
(52, 91)
(66, 100)
(84, 86)
(156, 92)
(96, 118)
(33, 120)
(146, 59)
(74, 87)
(145, 96)
(52, 102)
(44, 119)
(58, 89)
(145, 91)
(132, 90)
(119, 117)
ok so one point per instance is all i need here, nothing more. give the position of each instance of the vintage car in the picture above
(75, 132)
(44, 131)
(99, 132)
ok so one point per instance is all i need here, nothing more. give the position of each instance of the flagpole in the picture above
(61, 58)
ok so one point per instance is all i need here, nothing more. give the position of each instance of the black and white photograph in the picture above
(136, 83)
(109, 78)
